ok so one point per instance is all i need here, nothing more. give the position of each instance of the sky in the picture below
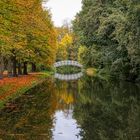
(63, 10)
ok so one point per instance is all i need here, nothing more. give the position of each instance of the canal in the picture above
(81, 109)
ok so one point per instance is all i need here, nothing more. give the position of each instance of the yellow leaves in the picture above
(81, 52)
(91, 71)
(28, 30)
(66, 40)
(64, 96)
(67, 98)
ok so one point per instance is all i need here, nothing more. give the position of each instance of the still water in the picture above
(81, 109)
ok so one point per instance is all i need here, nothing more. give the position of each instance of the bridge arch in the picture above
(67, 63)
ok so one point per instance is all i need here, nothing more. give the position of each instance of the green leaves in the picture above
(114, 28)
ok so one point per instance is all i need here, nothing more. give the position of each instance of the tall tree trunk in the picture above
(25, 68)
(9, 67)
(14, 67)
(19, 69)
(33, 67)
(1, 67)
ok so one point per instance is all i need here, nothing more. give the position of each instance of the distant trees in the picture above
(27, 36)
(66, 48)
(110, 30)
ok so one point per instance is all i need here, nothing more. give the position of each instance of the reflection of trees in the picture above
(106, 111)
(32, 117)
(103, 111)
(66, 95)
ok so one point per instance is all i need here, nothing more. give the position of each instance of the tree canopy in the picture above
(110, 29)
(27, 35)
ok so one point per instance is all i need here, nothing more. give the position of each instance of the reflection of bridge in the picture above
(68, 77)
(67, 63)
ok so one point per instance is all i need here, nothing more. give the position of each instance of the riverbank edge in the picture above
(40, 79)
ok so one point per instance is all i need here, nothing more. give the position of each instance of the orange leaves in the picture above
(15, 84)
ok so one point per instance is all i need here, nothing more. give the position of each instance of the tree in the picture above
(66, 43)
(27, 35)
(111, 29)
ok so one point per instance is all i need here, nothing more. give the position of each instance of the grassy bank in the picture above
(11, 88)
(97, 73)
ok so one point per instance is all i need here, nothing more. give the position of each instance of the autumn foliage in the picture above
(27, 36)
(10, 86)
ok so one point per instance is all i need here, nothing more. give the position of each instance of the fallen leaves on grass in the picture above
(16, 84)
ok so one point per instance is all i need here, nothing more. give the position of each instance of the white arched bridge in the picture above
(67, 63)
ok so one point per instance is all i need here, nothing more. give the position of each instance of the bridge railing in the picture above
(67, 63)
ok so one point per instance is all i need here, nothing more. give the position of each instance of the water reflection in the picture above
(108, 111)
(69, 130)
(30, 116)
(68, 77)
(84, 109)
